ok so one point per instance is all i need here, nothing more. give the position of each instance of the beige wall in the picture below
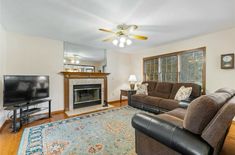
(37, 56)
(2, 70)
(41, 56)
(216, 43)
(118, 64)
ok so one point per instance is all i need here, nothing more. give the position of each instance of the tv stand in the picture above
(26, 113)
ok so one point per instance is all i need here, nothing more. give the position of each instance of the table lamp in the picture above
(132, 79)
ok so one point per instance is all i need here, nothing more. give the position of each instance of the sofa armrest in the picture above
(190, 99)
(184, 104)
(170, 135)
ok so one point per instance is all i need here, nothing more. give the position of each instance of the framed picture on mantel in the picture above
(227, 61)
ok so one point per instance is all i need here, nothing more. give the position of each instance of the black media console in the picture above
(25, 113)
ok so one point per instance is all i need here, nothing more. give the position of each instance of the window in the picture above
(191, 67)
(184, 66)
(151, 70)
(168, 67)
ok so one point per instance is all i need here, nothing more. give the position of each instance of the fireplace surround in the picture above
(86, 95)
(85, 83)
(72, 79)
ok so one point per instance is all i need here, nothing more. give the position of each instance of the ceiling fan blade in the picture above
(138, 37)
(108, 39)
(105, 30)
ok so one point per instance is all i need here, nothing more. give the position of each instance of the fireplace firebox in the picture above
(86, 95)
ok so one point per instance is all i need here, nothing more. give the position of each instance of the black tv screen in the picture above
(20, 88)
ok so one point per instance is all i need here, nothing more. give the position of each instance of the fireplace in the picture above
(83, 78)
(86, 95)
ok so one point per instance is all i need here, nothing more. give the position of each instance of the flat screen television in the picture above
(20, 89)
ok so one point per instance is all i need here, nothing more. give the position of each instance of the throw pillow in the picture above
(142, 89)
(183, 93)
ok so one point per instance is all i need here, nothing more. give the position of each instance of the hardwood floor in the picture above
(229, 144)
(9, 141)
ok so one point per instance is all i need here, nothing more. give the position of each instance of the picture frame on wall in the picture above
(227, 61)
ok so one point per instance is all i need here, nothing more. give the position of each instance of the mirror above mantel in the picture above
(80, 58)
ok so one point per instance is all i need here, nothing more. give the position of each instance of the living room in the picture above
(34, 36)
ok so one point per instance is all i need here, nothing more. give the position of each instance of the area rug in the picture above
(102, 133)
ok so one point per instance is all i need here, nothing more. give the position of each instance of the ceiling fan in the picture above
(123, 35)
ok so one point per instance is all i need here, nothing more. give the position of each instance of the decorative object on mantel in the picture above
(132, 80)
(227, 61)
(83, 75)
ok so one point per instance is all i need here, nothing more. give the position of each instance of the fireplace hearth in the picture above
(86, 95)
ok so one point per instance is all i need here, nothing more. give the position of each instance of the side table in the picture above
(128, 93)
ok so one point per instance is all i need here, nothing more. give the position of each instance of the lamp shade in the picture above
(132, 78)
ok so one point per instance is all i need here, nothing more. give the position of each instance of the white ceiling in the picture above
(78, 21)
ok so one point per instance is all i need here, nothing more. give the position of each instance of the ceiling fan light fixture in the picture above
(123, 39)
(128, 42)
(121, 44)
(123, 36)
(115, 42)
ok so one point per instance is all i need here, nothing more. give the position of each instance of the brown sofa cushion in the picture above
(163, 89)
(168, 104)
(139, 98)
(151, 100)
(227, 90)
(179, 112)
(219, 124)
(196, 89)
(220, 98)
(151, 86)
(202, 110)
(172, 119)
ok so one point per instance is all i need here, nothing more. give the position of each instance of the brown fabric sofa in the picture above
(198, 130)
(161, 96)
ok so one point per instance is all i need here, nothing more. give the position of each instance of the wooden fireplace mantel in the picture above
(82, 75)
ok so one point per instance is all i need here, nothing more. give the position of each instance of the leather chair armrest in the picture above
(170, 135)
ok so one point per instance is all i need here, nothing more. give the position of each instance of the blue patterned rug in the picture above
(102, 133)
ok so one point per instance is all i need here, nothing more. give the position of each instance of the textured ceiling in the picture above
(78, 21)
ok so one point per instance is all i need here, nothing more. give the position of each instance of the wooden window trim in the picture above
(203, 49)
